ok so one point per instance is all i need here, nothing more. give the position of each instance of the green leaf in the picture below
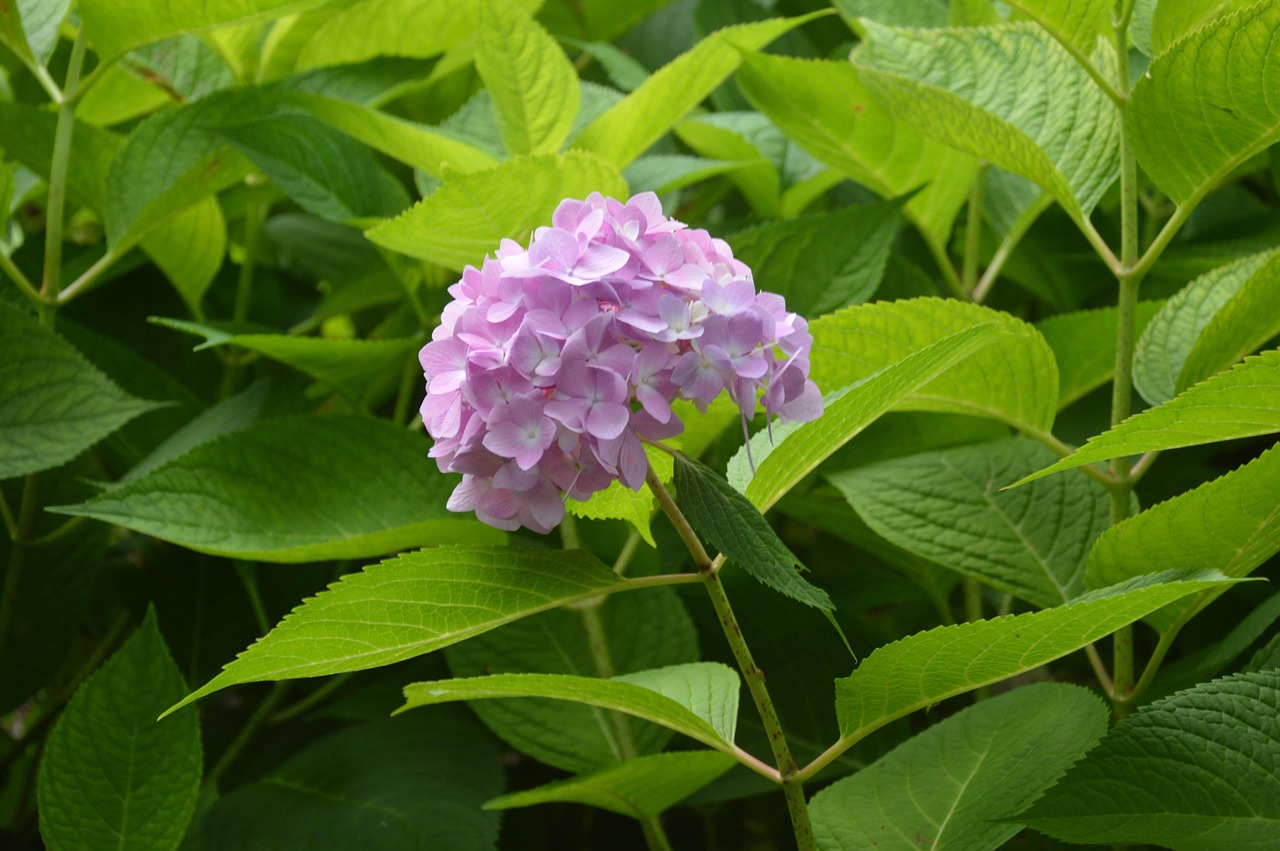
(627, 130)
(810, 101)
(1084, 345)
(54, 404)
(111, 776)
(756, 177)
(641, 788)
(1231, 525)
(413, 604)
(385, 785)
(1010, 95)
(6, 196)
(114, 26)
(921, 14)
(532, 83)
(1014, 380)
(948, 507)
(638, 632)
(954, 785)
(471, 214)
(1196, 114)
(352, 367)
(1198, 771)
(292, 490)
(190, 249)
(664, 173)
(30, 27)
(1074, 23)
(327, 173)
(1238, 403)
(699, 699)
(1241, 327)
(730, 523)
(1171, 21)
(1205, 663)
(186, 68)
(618, 502)
(603, 20)
(928, 667)
(1162, 350)
(796, 450)
(822, 262)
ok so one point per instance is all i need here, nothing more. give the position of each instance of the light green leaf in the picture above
(30, 27)
(947, 506)
(54, 404)
(729, 522)
(293, 490)
(1015, 380)
(186, 67)
(1075, 23)
(190, 248)
(641, 788)
(664, 173)
(699, 699)
(756, 177)
(953, 785)
(1084, 345)
(826, 108)
(795, 451)
(1173, 19)
(1198, 771)
(110, 776)
(1205, 663)
(928, 667)
(602, 20)
(1241, 327)
(532, 83)
(619, 502)
(625, 73)
(1010, 95)
(1231, 525)
(471, 214)
(410, 605)
(921, 14)
(1162, 350)
(370, 83)
(1197, 114)
(1238, 403)
(114, 26)
(627, 130)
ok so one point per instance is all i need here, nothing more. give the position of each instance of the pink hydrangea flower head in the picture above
(555, 363)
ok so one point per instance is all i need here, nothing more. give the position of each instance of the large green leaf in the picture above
(948, 507)
(471, 214)
(54, 404)
(899, 13)
(385, 785)
(729, 522)
(1231, 525)
(1170, 21)
(790, 452)
(410, 605)
(627, 130)
(293, 490)
(1014, 380)
(641, 788)
(532, 83)
(923, 669)
(1084, 346)
(111, 777)
(810, 102)
(1197, 771)
(190, 248)
(1241, 327)
(1206, 104)
(1238, 403)
(1010, 95)
(30, 27)
(1161, 352)
(1075, 23)
(699, 699)
(954, 785)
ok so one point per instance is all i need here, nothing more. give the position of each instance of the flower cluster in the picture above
(551, 365)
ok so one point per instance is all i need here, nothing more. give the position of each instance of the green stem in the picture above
(58, 166)
(28, 511)
(247, 732)
(973, 236)
(408, 380)
(569, 533)
(989, 275)
(315, 697)
(627, 552)
(24, 284)
(255, 211)
(249, 579)
(973, 612)
(90, 276)
(949, 276)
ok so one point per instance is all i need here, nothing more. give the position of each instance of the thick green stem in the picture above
(58, 166)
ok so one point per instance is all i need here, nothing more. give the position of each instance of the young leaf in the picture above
(410, 605)
(810, 101)
(293, 490)
(1084, 346)
(1194, 116)
(532, 83)
(1231, 524)
(948, 507)
(919, 14)
(1014, 380)
(627, 130)
(641, 788)
(954, 785)
(1010, 95)
(1241, 327)
(1238, 403)
(731, 524)
(923, 669)
(111, 776)
(471, 214)
(791, 452)
(699, 699)
(1198, 771)
(54, 404)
